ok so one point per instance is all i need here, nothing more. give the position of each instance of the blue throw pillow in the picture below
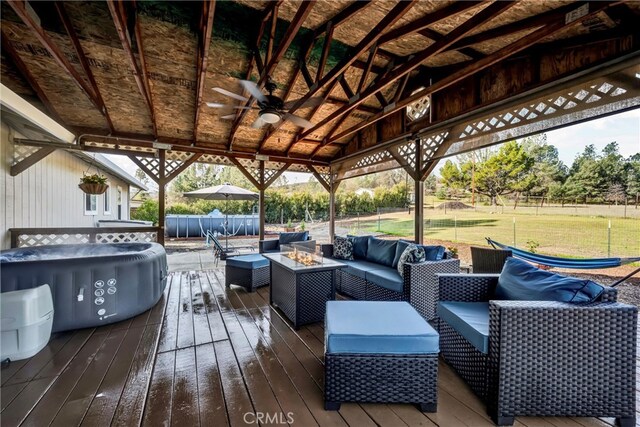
(400, 247)
(286, 238)
(360, 244)
(411, 254)
(521, 281)
(381, 251)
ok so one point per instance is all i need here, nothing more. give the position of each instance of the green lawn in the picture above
(565, 235)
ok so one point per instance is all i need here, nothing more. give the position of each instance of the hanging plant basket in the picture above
(93, 188)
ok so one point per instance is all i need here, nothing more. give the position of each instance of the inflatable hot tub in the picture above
(92, 284)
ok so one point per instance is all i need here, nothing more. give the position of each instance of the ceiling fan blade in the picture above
(258, 123)
(298, 121)
(230, 94)
(254, 90)
(228, 117)
(218, 105)
(311, 102)
(230, 107)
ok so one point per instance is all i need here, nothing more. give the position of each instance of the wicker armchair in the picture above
(420, 285)
(546, 358)
(487, 260)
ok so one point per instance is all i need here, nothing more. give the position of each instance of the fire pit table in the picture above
(301, 284)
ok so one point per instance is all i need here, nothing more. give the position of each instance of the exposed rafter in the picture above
(119, 16)
(553, 26)
(9, 50)
(365, 44)
(19, 7)
(457, 33)
(84, 62)
(204, 41)
(292, 31)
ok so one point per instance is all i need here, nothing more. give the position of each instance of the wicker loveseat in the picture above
(364, 279)
(273, 245)
(539, 358)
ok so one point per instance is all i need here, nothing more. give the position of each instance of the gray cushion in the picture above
(342, 248)
(360, 244)
(381, 251)
(469, 319)
(431, 252)
(385, 277)
(248, 262)
(359, 268)
(522, 281)
(377, 327)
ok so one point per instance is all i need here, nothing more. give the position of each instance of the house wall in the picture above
(47, 194)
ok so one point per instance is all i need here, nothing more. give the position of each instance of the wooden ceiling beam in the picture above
(84, 62)
(414, 62)
(559, 23)
(13, 55)
(295, 25)
(436, 36)
(202, 57)
(328, 38)
(20, 8)
(271, 35)
(118, 14)
(337, 71)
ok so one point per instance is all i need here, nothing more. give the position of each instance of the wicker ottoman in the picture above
(248, 271)
(379, 352)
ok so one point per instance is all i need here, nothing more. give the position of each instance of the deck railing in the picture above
(28, 237)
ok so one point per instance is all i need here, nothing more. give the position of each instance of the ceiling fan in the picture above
(271, 109)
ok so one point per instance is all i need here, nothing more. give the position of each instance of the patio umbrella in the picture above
(224, 192)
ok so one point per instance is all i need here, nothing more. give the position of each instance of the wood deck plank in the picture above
(185, 410)
(23, 404)
(186, 336)
(169, 332)
(210, 394)
(216, 325)
(103, 405)
(64, 384)
(77, 403)
(61, 359)
(201, 327)
(9, 392)
(132, 400)
(236, 395)
(157, 410)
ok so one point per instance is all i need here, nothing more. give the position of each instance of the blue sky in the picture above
(624, 128)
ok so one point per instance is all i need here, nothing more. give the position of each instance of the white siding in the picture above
(47, 194)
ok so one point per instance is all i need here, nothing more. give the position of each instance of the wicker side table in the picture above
(248, 271)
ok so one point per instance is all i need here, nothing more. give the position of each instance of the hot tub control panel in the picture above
(104, 297)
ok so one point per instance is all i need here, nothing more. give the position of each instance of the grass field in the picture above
(564, 235)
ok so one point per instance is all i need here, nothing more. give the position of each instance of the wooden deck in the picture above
(213, 357)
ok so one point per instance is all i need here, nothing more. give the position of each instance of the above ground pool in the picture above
(91, 284)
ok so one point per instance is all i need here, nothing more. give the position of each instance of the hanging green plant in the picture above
(93, 183)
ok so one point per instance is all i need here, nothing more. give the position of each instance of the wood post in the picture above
(419, 195)
(161, 195)
(332, 207)
(261, 204)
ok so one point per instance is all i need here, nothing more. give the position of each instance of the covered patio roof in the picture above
(402, 84)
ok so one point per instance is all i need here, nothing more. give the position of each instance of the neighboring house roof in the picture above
(102, 162)
(361, 191)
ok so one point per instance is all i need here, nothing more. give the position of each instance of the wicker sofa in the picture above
(542, 358)
(371, 281)
(273, 245)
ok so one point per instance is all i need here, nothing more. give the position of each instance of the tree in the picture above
(142, 177)
(616, 193)
(504, 172)
(547, 169)
(198, 175)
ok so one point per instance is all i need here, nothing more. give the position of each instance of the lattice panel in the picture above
(556, 105)
(324, 172)
(149, 150)
(21, 152)
(419, 109)
(171, 165)
(29, 240)
(253, 167)
(407, 152)
(152, 165)
(372, 159)
(214, 159)
(431, 143)
(142, 237)
(180, 156)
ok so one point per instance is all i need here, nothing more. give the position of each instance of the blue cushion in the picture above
(248, 262)
(360, 244)
(432, 252)
(298, 236)
(381, 251)
(469, 319)
(522, 281)
(388, 278)
(358, 267)
(377, 327)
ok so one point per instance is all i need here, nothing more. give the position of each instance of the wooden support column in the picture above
(261, 204)
(161, 195)
(333, 186)
(419, 196)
